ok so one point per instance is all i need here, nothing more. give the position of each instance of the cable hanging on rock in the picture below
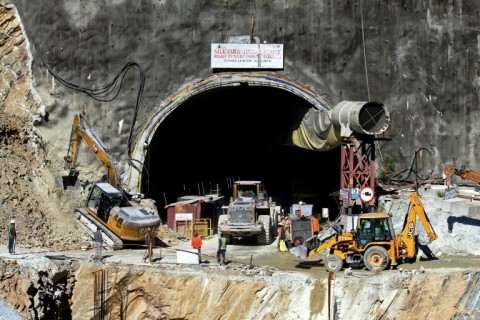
(413, 169)
(109, 92)
(105, 93)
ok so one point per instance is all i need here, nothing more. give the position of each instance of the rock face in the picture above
(205, 293)
(28, 194)
(184, 293)
(407, 295)
(16, 97)
(37, 288)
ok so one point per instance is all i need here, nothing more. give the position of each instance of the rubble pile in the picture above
(25, 195)
(17, 174)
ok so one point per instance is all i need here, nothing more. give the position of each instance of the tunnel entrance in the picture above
(238, 132)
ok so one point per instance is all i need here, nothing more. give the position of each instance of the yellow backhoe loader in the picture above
(373, 243)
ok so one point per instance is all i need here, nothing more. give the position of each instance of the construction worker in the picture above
(281, 235)
(197, 244)
(97, 236)
(149, 238)
(12, 237)
(222, 249)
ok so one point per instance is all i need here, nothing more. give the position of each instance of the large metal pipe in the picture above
(368, 118)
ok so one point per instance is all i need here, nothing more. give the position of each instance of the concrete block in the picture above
(188, 256)
(466, 208)
(434, 190)
(437, 203)
(468, 192)
(447, 204)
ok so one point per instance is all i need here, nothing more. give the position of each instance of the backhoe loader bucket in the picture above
(300, 251)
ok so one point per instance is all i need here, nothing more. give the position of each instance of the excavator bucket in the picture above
(69, 181)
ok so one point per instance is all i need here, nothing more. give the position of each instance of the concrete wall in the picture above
(422, 59)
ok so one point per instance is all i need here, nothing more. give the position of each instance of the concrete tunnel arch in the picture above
(216, 81)
(271, 84)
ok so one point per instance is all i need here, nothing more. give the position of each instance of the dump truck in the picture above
(121, 216)
(372, 243)
(249, 214)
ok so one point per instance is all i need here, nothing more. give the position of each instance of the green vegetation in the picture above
(388, 168)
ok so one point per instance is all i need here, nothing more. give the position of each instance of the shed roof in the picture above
(209, 198)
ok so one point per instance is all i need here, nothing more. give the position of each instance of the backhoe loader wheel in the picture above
(333, 263)
(376, 258)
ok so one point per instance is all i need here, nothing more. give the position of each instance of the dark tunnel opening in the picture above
(239, 133)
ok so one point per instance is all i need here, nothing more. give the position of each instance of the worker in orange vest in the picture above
(197, 244)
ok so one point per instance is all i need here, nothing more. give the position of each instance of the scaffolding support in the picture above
(357, 171)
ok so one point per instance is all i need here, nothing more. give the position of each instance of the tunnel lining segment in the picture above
(273, 80)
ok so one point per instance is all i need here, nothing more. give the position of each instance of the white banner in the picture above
(183, 216)
(246, 56)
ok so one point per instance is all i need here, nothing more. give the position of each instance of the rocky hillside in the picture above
(28, 193)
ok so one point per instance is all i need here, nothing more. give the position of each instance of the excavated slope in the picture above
(210, 293)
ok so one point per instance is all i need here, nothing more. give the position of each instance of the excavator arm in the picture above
(82, 130)
(406, 239)
(462, 173)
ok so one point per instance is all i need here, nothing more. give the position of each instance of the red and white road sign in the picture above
(366, 194)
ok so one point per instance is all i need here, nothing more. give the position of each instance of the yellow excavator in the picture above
(120, 216)
(449, 170)
(373, 243)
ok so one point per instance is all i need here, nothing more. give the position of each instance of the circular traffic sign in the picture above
(366, 194)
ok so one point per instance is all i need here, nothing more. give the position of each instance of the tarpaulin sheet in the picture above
(316, 132)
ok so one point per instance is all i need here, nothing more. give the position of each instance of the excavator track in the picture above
(90, 224)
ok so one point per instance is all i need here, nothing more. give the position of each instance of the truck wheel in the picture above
(333, 263)
(376, 258)
(265, 236)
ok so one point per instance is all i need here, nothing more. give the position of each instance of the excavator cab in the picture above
(374, 227)
(102, 198)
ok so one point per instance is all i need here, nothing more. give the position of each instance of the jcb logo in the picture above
(410, 230)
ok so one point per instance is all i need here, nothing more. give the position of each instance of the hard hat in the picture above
(12, 221)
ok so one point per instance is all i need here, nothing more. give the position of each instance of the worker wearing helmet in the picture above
(12, 237)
